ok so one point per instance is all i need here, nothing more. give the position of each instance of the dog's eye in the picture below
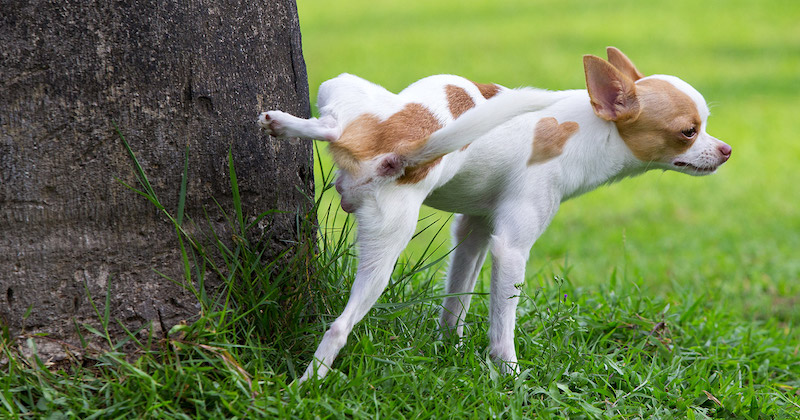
(689, 133)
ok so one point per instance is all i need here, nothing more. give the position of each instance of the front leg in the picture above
(516, 231)
(508, 270)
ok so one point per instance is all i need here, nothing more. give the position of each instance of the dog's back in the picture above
(376, 123)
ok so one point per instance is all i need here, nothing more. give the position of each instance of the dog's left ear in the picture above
(613, 94)
(623, 63)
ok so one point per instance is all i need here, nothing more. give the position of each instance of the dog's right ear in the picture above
(613, 94)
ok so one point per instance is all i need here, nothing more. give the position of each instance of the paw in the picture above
(506, 361)
(451, 328)
(271, 121)
(505, 366)
(508, 368)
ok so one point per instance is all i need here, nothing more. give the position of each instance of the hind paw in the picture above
(273, 122)
(281, 124)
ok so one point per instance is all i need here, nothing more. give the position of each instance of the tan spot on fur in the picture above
(367, 137)
(487, 90)
(549, 138)
(655, 135)
(458, 100)
(417, 173)
(353, 145)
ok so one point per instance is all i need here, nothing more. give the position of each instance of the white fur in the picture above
(503, 203)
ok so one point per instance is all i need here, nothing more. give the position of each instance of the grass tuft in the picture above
(607, 352)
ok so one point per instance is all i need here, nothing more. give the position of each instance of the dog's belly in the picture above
(456, 199)
(493, 166)
(472, 190)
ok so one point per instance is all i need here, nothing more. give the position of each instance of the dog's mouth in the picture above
(693, 169)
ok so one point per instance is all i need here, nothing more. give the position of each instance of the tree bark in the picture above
(168, 74)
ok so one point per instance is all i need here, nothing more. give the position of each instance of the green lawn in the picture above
(731, 239)
(734, 235)
(664, 296)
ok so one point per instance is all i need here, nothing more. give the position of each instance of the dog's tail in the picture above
(483, 118)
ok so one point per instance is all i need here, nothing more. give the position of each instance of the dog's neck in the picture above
(596, 154)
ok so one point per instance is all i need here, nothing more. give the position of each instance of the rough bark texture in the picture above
(169, 74)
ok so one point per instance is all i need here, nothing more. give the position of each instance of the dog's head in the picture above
(661, 119)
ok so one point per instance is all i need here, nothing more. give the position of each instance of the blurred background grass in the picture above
(733, 236)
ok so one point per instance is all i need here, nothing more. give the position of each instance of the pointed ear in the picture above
(612, 93)
(623, 63)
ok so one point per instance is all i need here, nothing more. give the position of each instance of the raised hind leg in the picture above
(281, 124)
(384, 230)
(339, 100)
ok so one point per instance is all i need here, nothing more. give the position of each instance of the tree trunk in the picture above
(168, 74)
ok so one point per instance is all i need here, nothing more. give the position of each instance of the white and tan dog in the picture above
(504, 159)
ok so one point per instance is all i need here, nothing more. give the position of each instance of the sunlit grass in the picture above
(730, 234)
(664, 296)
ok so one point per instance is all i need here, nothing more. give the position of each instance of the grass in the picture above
(664, 296)
(732, 235)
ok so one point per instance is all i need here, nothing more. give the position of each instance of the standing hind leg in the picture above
(384, 229)
(471, 239)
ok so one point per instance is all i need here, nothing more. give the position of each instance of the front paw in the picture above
(506, 361)
(508, 368)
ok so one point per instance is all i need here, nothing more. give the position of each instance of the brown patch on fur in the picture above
(458, 100)
(417, 173)
(367, 137)
(655, 135)
(549, 138)
(487, 90)
(355, 143)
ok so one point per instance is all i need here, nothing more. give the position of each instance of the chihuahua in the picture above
(503, 159)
